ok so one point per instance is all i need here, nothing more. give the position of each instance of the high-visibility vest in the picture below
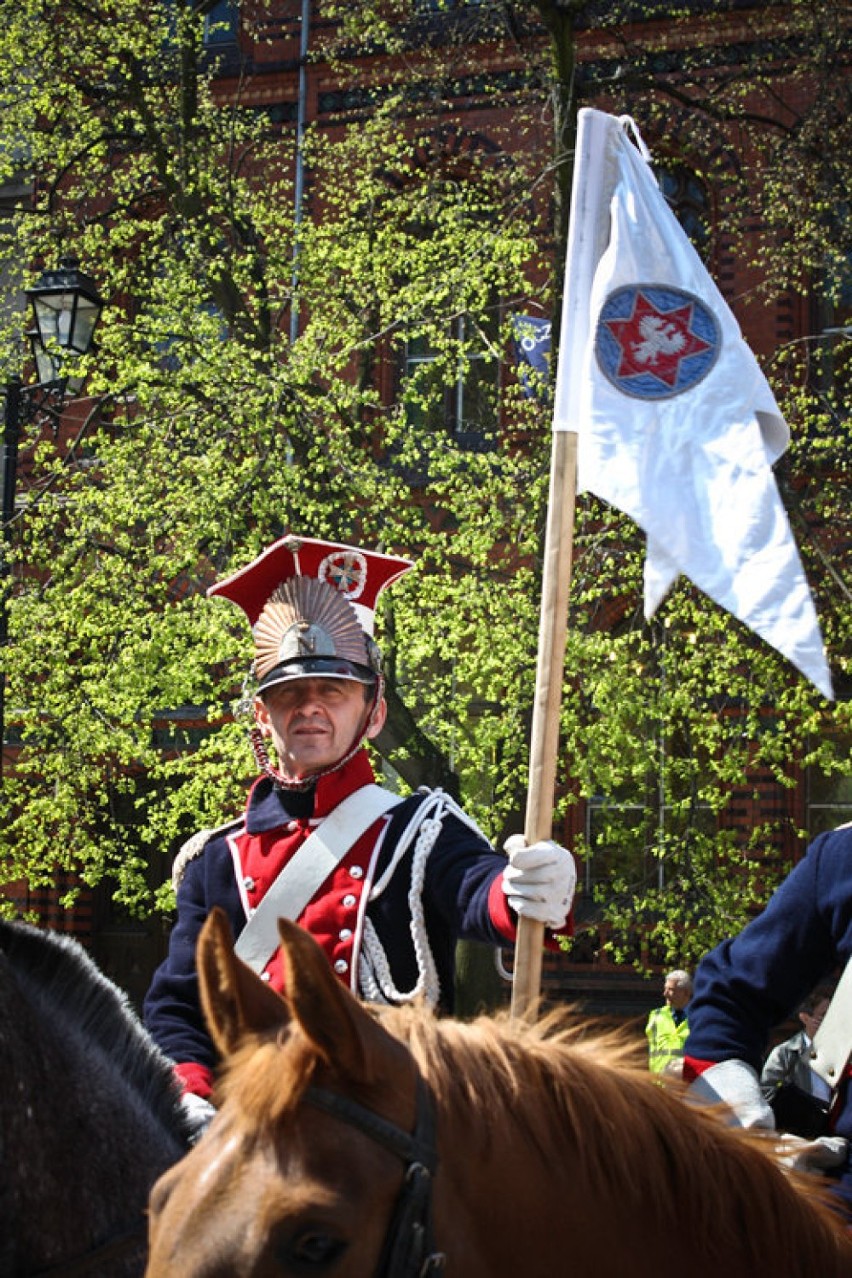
(665, 1039)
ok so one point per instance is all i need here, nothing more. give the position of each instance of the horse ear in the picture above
(235, 1001)
(338, 1025)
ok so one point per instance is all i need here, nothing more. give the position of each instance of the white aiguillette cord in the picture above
(308, 869)
(832, 1043)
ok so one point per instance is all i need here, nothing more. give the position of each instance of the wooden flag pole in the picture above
(544, 734)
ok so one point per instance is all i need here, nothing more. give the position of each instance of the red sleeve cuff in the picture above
(506, 921)
(194, 1078)
(501, 915)
(692, 1068)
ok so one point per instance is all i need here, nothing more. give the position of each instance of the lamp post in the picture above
(66, 308)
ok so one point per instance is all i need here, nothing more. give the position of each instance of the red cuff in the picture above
(194, 1078)
(692, 1067)
(505, 919)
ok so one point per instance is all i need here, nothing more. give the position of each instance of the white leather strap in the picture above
(308, 869)
(832, 1043)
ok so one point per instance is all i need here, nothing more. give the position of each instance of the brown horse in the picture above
(353, 1143)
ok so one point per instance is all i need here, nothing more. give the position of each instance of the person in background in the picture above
(666, 1028)
(386, 885)
(789, 1061)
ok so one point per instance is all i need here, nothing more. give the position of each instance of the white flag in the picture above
(676, 423)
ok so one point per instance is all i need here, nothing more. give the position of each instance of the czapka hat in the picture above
(311, 606)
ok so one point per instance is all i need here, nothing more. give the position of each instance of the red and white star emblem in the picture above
(653, 340)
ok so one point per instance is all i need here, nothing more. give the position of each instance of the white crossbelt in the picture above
(308, 869)
(832, 1042)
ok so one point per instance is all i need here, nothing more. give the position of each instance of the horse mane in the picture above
(557, 1081)
(59, 976)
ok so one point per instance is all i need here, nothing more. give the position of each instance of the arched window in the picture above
(221, 24)
(450, 378)
(461, 401)
(831, 365)
(687, 197)
(828, 796)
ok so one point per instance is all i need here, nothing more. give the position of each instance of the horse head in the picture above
(550, 1150)
(241, 1010)
(294, 1065)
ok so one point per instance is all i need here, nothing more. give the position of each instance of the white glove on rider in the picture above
(539, 880)
(735, 1084)
(800, 1154)
(198, 1114)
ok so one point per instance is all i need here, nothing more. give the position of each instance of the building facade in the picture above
(276, 61)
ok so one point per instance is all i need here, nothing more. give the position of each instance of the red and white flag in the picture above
(676, 423)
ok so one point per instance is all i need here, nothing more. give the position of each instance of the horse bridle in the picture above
(409, 1248)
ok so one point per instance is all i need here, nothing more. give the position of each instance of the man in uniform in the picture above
(387, 886)
(751, 983)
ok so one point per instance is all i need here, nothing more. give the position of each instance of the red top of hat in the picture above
(359, 575)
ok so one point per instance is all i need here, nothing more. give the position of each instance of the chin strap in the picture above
(261, 754)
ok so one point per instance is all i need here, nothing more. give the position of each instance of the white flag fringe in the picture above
(677, 425)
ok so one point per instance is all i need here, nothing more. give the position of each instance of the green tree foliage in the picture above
(678, 719)
(215, 431)
(252, 377)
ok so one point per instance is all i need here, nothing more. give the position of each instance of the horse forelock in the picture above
(265, 1078)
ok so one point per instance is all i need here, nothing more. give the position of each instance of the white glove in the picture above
(735, 1084)
(539, 880)
(800, 1154)
(198, 1114)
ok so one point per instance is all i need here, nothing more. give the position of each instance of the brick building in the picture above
(279, 72)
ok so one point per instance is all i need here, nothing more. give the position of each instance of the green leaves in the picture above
(326, 369)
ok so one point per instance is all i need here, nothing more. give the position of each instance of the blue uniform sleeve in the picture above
(752, 982)
(172, 1010)
(461, 870)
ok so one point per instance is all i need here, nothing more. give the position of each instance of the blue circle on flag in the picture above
(655, 342)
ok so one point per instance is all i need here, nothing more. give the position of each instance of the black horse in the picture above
(89, 1114)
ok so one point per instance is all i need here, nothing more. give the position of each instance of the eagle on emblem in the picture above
(658, 339)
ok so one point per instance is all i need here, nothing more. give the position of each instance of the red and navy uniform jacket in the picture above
(462, 898)
(748, 985)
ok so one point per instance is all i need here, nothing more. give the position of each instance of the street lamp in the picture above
(66, 308)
